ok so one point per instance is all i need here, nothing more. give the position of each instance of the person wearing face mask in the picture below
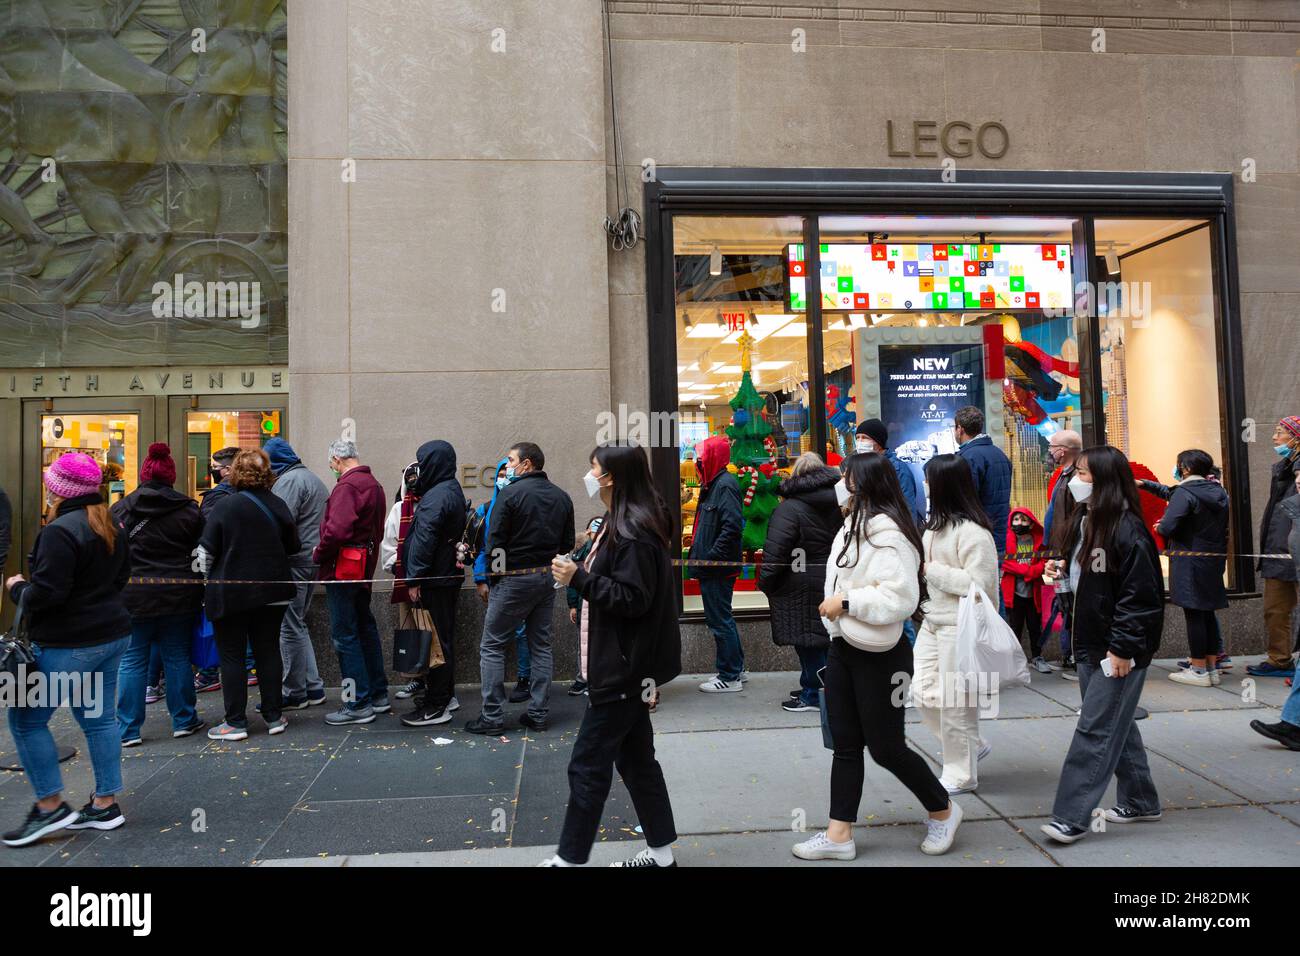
(1286, 731)
(1279, 574)
(429, 559)
(1022, 583)
(873, 435)
(629, 646)
(1064, 447)
(1197, 520)
(523, 662)
(873, 583)
(715, 536)
(396, 528)
(354, 520)
(532, 521)
(1119, 607)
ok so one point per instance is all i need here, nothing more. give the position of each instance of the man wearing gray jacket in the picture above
(305, 495)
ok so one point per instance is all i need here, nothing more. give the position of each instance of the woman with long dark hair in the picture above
(1119, 610)
(873, 584)
(629, 646)
(958, 551)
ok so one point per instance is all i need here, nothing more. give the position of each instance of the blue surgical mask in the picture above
(510, 474)
(502, 481)
(1177, 474)
(1282, 450)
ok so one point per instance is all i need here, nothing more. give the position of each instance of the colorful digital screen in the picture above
(934, 277)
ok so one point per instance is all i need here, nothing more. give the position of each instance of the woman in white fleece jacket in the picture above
(872, 586)
(958, 548)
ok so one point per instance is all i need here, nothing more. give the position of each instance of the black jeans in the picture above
(440, 683)
(617, 734)
(1022, 613)
(864, 707)
(259, 629)
(1203, 636)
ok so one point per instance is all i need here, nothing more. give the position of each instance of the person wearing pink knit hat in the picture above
(80, 627)
(1279, 574)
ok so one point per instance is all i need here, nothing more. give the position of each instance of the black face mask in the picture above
(1020, 528)
(216, 476)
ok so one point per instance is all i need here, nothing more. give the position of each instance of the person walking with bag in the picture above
(793, 573)
(873, 584)
(959, 552)
(348, 553)
(79, 629)
(249, 537)
(304, 495)
(1197, 520)
(629, 646)
(430, 560)
(1119, 611)
(162, 529)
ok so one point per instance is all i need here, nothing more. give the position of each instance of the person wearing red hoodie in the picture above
(716, 537)
(1022, 582)
(354, 518)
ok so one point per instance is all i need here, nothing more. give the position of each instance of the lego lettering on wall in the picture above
(926, 139)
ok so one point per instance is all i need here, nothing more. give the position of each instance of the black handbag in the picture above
(15, 651)
(827, 742)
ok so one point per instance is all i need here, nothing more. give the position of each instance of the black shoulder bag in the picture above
(15, 651)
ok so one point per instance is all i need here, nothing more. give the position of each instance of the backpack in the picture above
(472, 541)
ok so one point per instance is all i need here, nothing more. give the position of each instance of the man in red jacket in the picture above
(354, 523)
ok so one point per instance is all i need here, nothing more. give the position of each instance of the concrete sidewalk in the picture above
(742, 773)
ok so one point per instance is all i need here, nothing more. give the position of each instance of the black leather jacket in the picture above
(1121, 609)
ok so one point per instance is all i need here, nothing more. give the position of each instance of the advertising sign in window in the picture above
(934, 277)
(921, 388)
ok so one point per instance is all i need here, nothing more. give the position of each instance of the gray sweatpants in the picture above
(1106, 743)
(300, 674)
(526, 599)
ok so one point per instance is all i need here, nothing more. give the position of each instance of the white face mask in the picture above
(1082, 490)
(593, 485)
(864, 445)
(502, 481)
(842, 494)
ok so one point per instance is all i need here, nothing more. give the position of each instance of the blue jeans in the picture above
(716, 595)
(96, 674)
(356, 639)
(909, 632)
(811, 660)
(522, 658)
(1291, 709)
(155, 666)
(170, 636)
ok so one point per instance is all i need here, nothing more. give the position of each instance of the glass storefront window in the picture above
(112, 440)
(209, 431)
(923, 315)
(742, 367)
(1158, 336)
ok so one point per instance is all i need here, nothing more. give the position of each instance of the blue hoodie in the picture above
(281, 454)
(485, 512)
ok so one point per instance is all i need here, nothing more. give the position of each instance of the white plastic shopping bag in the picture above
(987, 649)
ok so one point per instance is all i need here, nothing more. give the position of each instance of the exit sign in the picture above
(735, 321)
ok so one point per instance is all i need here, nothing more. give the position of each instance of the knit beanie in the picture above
(158, 465)
(72, 475)
(875, 429)
(1292, 424)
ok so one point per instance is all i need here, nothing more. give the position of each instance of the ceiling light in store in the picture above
(703, 398)
(770, 366)
(701, 331)
(922, 322)
(687, 322)
(685, 386)
(726, 370)
(715, 261)
(858, 321)
(1112, 263)
(792, 330)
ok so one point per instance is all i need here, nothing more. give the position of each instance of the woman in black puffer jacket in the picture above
(793, 573)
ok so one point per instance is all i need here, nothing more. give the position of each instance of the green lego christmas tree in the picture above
(751, 452)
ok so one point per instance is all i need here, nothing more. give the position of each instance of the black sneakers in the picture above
(479, 726)
(1129, 815)
(577, 688)
(1063, 832)
(426, 718)
(1288, 735)
(40, 824)
(521, 692)
(92, 817)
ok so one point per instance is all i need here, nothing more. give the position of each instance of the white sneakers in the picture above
(940, 833)
(821, 847)
(1194, 678)
(716, 685)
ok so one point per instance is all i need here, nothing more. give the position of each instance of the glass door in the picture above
(203, 425)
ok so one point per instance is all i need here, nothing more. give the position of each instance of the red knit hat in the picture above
(158, 465)
(1292, 424)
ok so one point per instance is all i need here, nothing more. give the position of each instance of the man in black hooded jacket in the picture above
(430, 552)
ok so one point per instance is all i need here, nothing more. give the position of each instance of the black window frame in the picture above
(1082, 196)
